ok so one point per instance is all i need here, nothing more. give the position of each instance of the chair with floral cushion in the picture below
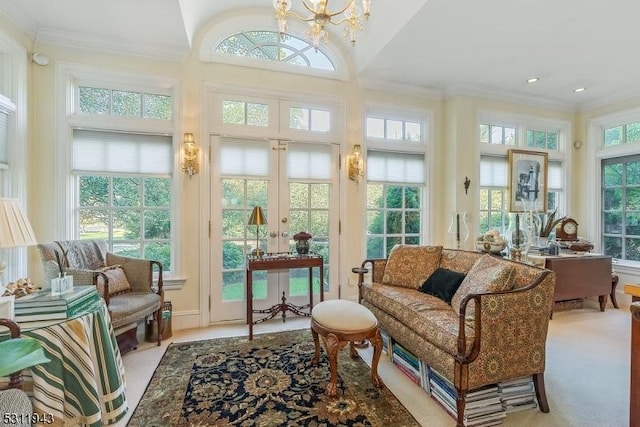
(125, 283)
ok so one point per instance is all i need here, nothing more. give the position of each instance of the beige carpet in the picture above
(587, 377)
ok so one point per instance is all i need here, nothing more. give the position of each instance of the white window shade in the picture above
(493, 171)
(395, 167)
(4, 137)
(114, 152)
(307, 161)
(239, 157)
(554, 176)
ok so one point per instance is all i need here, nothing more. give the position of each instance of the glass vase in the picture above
(459, 230)
(302, 247)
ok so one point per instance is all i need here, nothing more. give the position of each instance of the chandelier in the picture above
(320, 16)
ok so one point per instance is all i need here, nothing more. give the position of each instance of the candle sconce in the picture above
(467, 182)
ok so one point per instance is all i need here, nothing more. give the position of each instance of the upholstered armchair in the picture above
(125, 283)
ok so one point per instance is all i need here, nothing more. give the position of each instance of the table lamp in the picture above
(15, 231)
(257, 218)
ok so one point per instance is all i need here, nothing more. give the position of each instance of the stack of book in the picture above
(517, 394)
(385, 342)
(483, 406)
(407, 363)
(42, 306)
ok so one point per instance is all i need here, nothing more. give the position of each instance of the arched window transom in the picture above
(268, 46)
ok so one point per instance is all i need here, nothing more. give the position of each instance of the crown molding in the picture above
(13, 12)
(609, 100)
(513, 97)
(109, 45)
(400, 88)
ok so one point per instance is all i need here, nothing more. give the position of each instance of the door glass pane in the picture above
(309, 211)
(239, 196)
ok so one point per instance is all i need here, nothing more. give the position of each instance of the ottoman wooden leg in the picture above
(376, 341)
(316, 343)
(333, 345)
(352, 350)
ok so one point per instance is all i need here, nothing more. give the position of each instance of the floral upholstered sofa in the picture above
(488, 327)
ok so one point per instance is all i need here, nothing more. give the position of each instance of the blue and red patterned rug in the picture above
(265, 382)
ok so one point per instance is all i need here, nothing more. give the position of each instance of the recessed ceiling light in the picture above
(580, 89)
(532, 80)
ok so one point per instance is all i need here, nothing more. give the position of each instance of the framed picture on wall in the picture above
(527, 180)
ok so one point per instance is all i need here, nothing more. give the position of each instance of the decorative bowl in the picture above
(490, 247)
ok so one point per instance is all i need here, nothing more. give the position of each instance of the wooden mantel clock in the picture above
(567, 229)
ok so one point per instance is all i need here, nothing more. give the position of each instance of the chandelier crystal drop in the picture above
(349, 14)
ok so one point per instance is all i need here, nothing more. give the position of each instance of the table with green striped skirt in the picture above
(84, 384)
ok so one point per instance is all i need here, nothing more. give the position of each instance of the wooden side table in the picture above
(281, 261)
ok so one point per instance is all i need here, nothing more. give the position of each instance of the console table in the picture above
(84, 382)
(581, 276)
(281, 261)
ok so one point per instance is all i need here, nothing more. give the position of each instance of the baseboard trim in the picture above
(186, 319)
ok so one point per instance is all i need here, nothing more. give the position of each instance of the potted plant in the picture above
(302, 242)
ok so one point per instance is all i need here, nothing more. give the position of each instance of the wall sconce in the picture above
(355, 163)
(190, 152)
(466, 184)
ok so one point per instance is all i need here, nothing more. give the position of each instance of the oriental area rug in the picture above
(265, 382)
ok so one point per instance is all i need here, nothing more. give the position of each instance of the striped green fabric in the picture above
(84, 384)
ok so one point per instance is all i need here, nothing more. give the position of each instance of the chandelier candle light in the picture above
(321, 16)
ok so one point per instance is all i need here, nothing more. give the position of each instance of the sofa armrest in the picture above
(377, 268)
(510, 333)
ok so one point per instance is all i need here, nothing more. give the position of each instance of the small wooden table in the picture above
(281, 261)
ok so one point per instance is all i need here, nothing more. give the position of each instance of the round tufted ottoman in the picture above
(339, 322)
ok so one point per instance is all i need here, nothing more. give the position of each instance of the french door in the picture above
(296, 185)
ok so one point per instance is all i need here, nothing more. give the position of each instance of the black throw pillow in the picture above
(443, 284)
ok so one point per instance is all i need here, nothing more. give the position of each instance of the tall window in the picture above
(620, 185)
(124, 183)
(621, 207)
(122, 171)
(495, 141)
(396, 180)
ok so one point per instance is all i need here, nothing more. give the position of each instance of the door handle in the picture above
(285, 234)
(273, 234)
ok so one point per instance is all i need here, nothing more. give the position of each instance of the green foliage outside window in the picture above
(393, 217)
(132, 213)
(94, 100)
(621, 207)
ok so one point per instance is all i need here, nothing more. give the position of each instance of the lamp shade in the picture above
(257, 217)
(15, 229)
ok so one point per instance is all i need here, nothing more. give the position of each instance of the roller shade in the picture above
(385, 166)
(493, 171)
(309, 161)
(242, 157)
(4, 137)
(114, 152)
(554, 176)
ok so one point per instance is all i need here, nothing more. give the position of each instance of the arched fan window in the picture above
(268, 46)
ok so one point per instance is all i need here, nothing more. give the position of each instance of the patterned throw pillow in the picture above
(443, 284)
(117, 280)
(411, 265)
(488, 274)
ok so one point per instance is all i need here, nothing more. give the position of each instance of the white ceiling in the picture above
(487, 47)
